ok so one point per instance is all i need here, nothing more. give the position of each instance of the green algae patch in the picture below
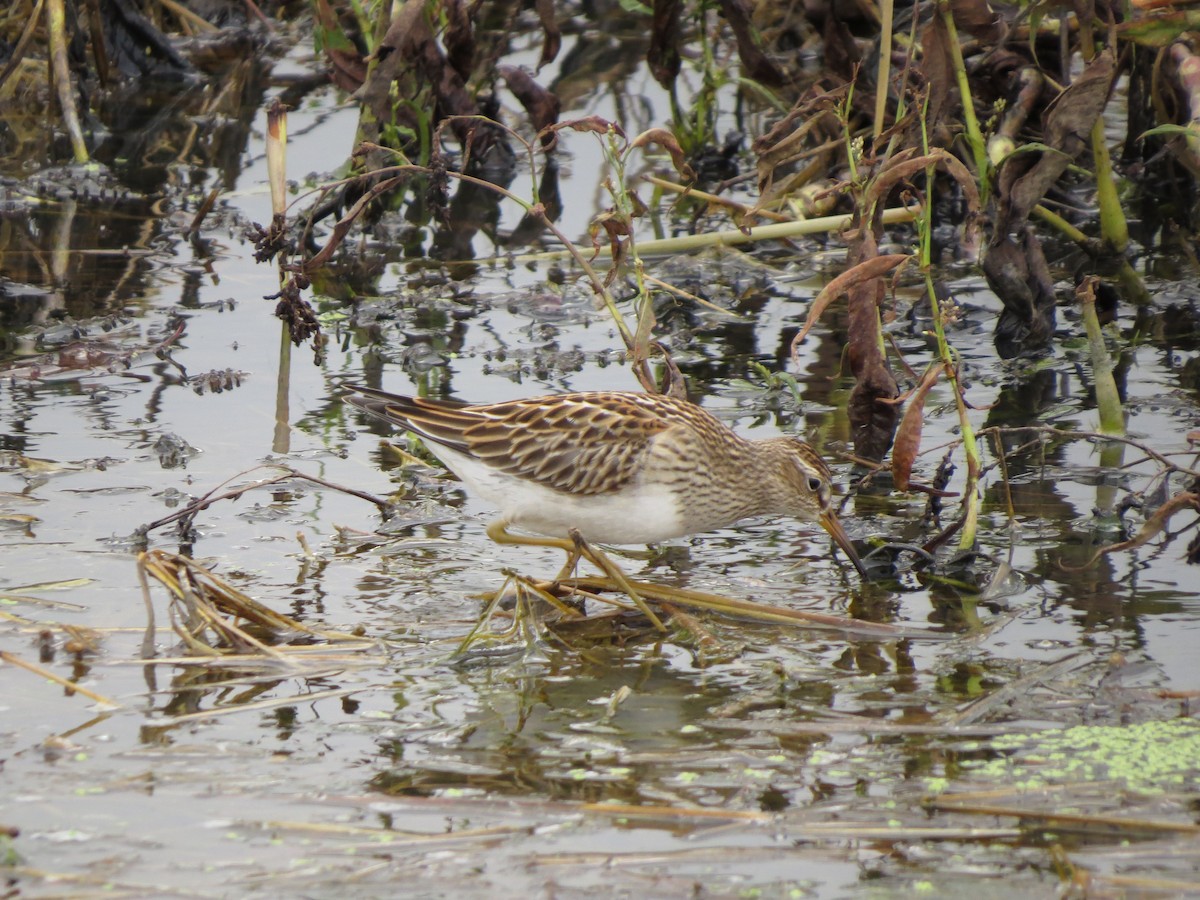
(1150, 757)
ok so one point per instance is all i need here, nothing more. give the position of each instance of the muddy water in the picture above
(771, 758)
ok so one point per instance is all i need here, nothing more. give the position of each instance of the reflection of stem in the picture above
(1112, 457)
(1108, 399)
(60, 254)
(56, 24)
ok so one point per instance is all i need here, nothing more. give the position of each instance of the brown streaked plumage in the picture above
(618, 467)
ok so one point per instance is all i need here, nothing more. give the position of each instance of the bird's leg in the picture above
(574, 548)
(600, 559)
(498, 532)
(569, 567)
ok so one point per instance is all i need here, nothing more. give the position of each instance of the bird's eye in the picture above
(814, 484)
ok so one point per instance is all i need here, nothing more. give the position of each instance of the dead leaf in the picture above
(908, 435)
(1152, 526)
(863, 272)
(668, 142)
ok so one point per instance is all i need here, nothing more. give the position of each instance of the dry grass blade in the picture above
(13, 660)
(676, 812)
(819, 831)
(865, 271)
(104, 883)
(1061, 821)
(1021, 687)
(1151, 527)
(394, 837)
(207, 604)
(13, 597)
(259, 705)
(690, 243)
(762, 612)
(853, 724)
(311, 655)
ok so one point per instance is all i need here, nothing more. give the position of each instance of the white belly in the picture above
(651, 514)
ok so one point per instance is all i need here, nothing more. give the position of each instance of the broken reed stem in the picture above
(1132, 285)
(71, 686)
(56, 25)
(778, 231)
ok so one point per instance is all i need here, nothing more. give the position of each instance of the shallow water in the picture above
(774, 758)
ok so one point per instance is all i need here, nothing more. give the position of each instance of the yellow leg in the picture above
(569, 567)
(574, 548)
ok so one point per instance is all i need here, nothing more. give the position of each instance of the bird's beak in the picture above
(831, 524)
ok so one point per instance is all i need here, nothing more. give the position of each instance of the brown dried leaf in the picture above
(755, 63)
(541, 104)
(840, 53)
(667, 141)
(663, 53)
(903, 166)
(616, 229)
(551, 35)
(937, 65)
(977, 18)
(908, 435)
(1067, 127)
(1151, 527)
(459, 38)
(863, 272)
(594, 124)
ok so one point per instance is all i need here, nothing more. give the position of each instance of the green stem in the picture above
(643, 306)
(56, 25)
(1113, 227)
(974, 135)
(1132, 287)
(773, 232)
(883, 77)
(949, 360)
(1108, 400)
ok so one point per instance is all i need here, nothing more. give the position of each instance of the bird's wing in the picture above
(580, 444)
(438, 421)
(584, 444)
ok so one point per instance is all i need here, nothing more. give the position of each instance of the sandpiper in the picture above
(614, 467)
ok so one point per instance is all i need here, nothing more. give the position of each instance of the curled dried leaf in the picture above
(908, 435)
(1151, 527)
(668, 142)
(904, 167)
(595, 124)
(551, 33)
(863, 272)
